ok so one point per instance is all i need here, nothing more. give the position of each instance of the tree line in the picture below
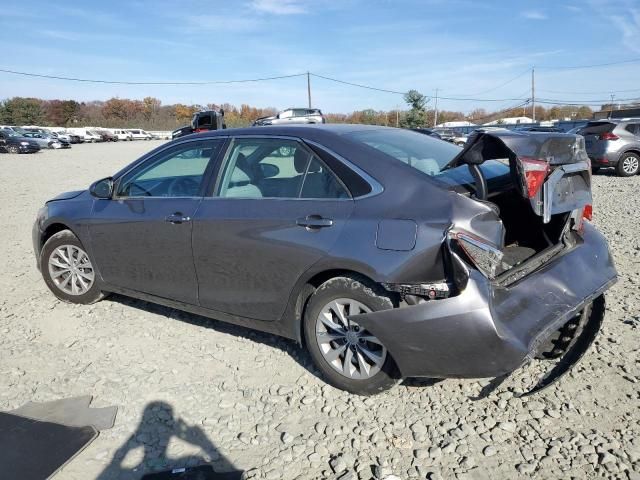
(150, 114)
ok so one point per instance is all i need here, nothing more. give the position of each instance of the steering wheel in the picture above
(183, 187)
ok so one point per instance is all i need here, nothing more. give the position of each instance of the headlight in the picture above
(26, 144)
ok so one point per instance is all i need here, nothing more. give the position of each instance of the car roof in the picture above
(298, 130)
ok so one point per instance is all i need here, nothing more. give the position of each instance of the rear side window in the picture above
(276, 168)
(204, 121)
(597, 128)
(633, 128)
(320, 182)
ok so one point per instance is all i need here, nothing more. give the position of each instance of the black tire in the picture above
(66, 237)
(13, 149)
(628, 165)
(595, 170)
(374, 298)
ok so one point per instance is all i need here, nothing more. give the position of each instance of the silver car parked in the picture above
(614, 143)
(292, 116)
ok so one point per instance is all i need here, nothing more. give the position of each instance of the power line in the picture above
(602, 92)
(499, 86)
(120, 82)
(595, 65)
(523, 104)
(353, 84)
(585, 102)
(358, 84)
(369, 87)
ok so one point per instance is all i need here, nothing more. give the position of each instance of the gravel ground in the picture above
(192, 390)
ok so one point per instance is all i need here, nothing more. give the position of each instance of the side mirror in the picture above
(102, 188)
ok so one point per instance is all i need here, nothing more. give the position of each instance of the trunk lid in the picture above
(551, 170)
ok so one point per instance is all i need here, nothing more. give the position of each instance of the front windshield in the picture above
(422, 152)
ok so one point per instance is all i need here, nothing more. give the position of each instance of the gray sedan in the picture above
(385, 252)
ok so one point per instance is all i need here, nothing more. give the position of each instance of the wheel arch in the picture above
(294, 314)
(51, 229)
(635, 150)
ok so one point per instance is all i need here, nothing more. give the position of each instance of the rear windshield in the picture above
(426, 154)
(596, 128)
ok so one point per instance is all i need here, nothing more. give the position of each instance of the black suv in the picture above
(202, 122)
(15, 143)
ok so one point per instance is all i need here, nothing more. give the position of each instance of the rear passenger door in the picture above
(275, 211)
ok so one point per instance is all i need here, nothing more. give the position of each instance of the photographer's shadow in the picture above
(154, 433)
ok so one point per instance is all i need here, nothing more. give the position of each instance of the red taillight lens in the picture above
(608, 136)
(535, 173)
(587, 212)
(484, 256)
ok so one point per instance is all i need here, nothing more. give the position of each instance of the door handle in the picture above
(313, 222)
(177, 218)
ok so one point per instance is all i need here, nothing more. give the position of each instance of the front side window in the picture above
(176, 172)
(276, 168)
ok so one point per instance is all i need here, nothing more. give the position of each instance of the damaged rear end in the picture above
(523, 262)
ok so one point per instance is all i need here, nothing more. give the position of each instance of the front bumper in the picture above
(489, 331)
(29, 148)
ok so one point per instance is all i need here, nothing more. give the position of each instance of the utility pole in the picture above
(533, 94)
(309, 89)
(611, 106)
(435, 116)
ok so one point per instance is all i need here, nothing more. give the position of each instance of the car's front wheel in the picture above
(349, 357)
(628, 165)
(68, 271)
(13, 149)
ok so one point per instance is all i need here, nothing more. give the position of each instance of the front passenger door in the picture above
(141, 239)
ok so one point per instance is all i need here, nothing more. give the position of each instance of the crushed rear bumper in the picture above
(487, 330)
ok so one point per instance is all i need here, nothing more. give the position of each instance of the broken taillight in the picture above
(535, 173)
(587, 212)
(484, 256)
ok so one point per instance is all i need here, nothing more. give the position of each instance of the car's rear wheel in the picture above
(349, 357)
(628, 165)
(68, 271)
(13, 149)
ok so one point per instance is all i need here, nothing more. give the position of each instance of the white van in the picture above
(86, 134)
(140, 134)
(122, 134)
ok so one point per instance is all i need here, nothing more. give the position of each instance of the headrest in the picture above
(238, 177)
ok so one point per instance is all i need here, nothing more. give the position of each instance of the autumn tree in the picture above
(150, 106)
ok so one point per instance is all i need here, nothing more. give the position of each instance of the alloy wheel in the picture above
(70, 270)
(350, 349)
(630, 164)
